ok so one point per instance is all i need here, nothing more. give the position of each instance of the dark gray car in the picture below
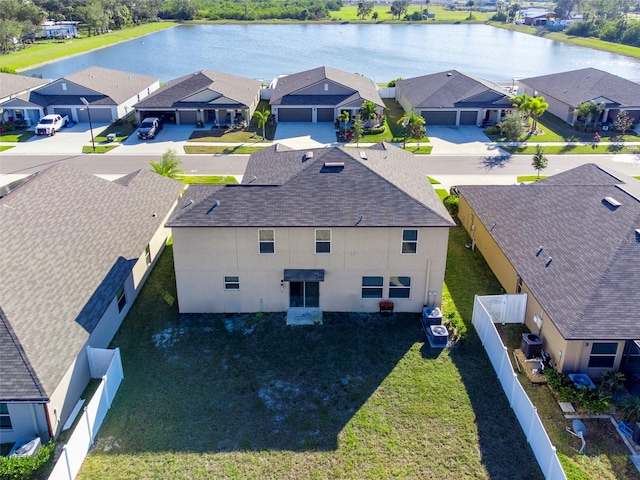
(149, 127)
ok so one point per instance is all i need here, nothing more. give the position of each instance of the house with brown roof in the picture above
(15, 100)
(327, 229)
(571, 242)
(321, 94)
(111, 94)
(564, 92)
(453, 98)
(212, 98)
(76, 250)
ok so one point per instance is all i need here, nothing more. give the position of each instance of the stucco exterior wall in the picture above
(557, 107)
(27, 420)
(204, 256)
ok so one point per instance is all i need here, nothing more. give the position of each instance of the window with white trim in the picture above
(5, 418)
(372, 287)
(410, 241)
(603, 355)
(323, 241)
(147, 254)
(232, 283)
(122, 298)
(267, 241)
(399, 287)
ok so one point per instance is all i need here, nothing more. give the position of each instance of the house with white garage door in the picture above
(453, 98)
(111, 94)
(321, 94)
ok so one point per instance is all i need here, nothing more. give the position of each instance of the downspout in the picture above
(427, 291)
(46, 414)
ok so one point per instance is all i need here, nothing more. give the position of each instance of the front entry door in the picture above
(304, 294)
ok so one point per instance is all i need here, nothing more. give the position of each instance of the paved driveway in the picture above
(300, 135)
(66, 140)
(460, 140)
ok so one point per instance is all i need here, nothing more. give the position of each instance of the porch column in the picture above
(457, 118)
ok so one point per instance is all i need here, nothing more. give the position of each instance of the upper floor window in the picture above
(409, 241)
(267, 241)
(5, 418)
(122, 298)
(399, 287)
(323, 241)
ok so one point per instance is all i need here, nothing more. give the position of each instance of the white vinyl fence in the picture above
(105, 364)
(526, 413)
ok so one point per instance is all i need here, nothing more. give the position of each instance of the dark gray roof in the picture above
(22, 384)
(452, 89)
(206, 89)
(18, 84)
(579, 86)
(333, 188)
(591, 287)
(361, 86)
(68, 240)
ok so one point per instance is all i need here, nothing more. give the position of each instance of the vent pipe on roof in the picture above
(549, 260)
(539, 251)
(612, 202)
(359, 220)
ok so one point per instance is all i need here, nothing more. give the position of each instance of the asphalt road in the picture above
(434, 165)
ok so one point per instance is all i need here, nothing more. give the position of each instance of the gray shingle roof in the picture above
(333, 188)
(214, 89)
(452, 89)
(68, 241)
(591, 288)
(290, 84)
(15, 84)
(579, 86)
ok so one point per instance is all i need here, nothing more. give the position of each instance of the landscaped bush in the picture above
(25, 468)
(499, 17)
(492, 130)
(375, 130)
(591, 399)
(629, 407)
(392, 83)
(452, 202)
(457, 327)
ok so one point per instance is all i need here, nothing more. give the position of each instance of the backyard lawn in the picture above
(363, 396)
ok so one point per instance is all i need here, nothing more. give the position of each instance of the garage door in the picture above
(445, 117)
(98, 115)
(294, 115)
(188, 117)
(325, 114)
(468, 118)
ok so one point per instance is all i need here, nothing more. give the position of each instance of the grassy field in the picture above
(51, 50)
(350, 14)
(244, 396)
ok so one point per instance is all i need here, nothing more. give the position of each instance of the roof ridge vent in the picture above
(612, 202)
(333, 164)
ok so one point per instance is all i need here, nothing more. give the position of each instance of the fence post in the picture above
(105, 392)
(66, 460)
(86, 415)
(531, 425)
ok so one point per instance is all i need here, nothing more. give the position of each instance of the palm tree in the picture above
(536, 106)
(263, 118)
(413, 126)
(591, 111)
(343, 118)
(168, 165)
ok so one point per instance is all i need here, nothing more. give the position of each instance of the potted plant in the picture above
(386, 307)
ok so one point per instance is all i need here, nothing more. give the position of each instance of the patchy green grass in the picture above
(572, 149)
(442, 193)
(529, 178)
(350, 14)
(433, 181)
(45, 51)
(123, 129)
(213, 149)
(16, 136)
(98, 149)
(207, 179)
(221, 135)
(4, 148)
(363, 396)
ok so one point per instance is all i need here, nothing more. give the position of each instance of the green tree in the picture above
(591, 111)
(536, 106)
(512, 127)
(470, 4)
(343, 119)
(168, 165)
(368, 110)
(426, 10)
(539, 162)
(623, 122)
(364, 9)
(399, 8)
(413, 126)
(263, 118)
(358, 129)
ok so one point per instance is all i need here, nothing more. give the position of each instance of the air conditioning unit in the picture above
(438, 336)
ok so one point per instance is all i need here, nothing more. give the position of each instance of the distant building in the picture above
(66, 29)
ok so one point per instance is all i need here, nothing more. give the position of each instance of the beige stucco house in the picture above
(76, 250)
(572, 243)
(328, 229)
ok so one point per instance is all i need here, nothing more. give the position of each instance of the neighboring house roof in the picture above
(330, 187)
(69, 240)
(104, 86)
(204, 89)
(14, 85)
(579, 86)
(591, 287)
(452, 89)
(362, 88)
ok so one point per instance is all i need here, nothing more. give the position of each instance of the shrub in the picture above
(492, 130)
(26, 467)
(457, 327)
(452, 202)
(375, 130)
(629, 407)
(392, 83)
(499, 17)
(612, 381)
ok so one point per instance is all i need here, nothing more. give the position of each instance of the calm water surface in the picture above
(381, 52)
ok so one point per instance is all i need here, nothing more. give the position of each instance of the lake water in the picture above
(381, 52)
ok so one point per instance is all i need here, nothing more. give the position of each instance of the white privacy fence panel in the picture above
(85, 431)
(524, 410)
(505, 308)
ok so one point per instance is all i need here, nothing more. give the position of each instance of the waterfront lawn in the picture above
(44, 51)
(350, 13)
(363, 396)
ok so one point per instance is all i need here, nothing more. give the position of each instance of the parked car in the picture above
(149, 127)
(49, 124)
